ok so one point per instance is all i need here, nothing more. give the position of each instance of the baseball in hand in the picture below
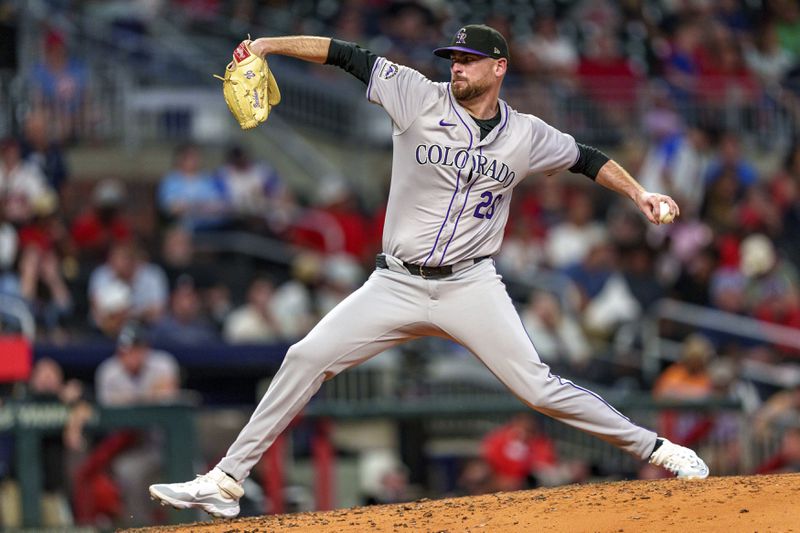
(664, 215)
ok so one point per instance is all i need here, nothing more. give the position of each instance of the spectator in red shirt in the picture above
(608, 78)
(103, 224)
(519, 453)
(606, 74)
(337, 225)
(41, 243)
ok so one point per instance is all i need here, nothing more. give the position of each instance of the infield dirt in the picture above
(729, 504)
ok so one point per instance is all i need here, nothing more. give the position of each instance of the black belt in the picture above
(424, 271)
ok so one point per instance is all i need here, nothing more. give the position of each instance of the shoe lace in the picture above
(198, 478)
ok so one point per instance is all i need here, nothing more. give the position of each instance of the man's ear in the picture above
(500, 67)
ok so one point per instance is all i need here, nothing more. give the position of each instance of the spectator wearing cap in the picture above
(59, 85)
(111, 308)
(137, 375)
(686, 380)
(102, 224)
(146, 290)
(772, 292)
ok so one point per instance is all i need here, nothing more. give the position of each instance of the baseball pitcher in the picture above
(458, 152)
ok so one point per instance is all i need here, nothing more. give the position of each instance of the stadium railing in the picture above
(29, 423)
(658, 348)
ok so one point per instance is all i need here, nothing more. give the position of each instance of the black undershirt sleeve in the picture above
(590, 161)
(352, 58)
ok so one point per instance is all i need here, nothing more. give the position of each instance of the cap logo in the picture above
(461, 36)
(496, 50)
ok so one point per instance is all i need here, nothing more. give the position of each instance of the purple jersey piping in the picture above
(455, 226)
(458, 179)
(563, 381)
(505, 121)
(371, 74)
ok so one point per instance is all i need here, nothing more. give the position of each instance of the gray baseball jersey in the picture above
(450, 190)
(448, 205)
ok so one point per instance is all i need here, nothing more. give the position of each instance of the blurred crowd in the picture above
(84, 276)
(597, 66)
(681, 83)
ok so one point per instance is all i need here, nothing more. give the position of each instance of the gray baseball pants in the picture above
(470, 307)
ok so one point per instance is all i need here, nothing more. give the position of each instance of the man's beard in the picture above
(468, 91)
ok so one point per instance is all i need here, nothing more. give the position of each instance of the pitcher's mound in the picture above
(727, 504)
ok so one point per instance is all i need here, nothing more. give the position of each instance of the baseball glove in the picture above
(249, 88)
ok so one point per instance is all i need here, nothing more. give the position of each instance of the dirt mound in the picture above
(729, 504)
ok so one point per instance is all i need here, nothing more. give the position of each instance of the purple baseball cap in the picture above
(476, 39)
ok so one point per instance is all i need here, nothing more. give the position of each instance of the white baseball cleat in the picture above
(215, 493)
(681, 461)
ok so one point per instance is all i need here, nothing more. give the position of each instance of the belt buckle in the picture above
(422, 270)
